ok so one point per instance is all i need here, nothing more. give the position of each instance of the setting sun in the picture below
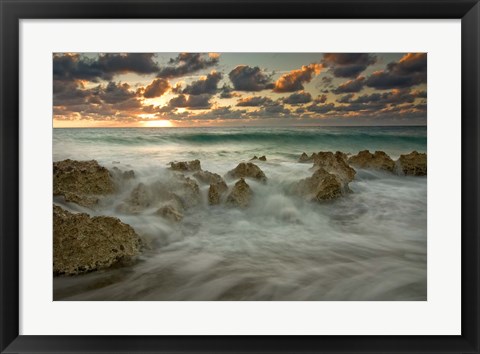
(163, 123)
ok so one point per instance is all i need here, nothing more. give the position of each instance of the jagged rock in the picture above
(254, 158)
(247, 169)
(240, 195)
(335, 164)
(413, 164)
(81, 181)
(123, 174)
(82, 243)
(378, 160)
(304, 158)
(206, 177)
(322, 185)
(342, 155)
(186, 165)
(215, 192)
(171, 210)
(263, 158)
(180, 188)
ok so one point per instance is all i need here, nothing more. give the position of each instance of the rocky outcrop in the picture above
(247, 169)
(263, 158)
(305, 158)
(171, 210)
(181, 189)
(216, 191)
(206, 177)
(334, 164)
(82, 243)
(81, 182)
(321, 186)
(413, 164)
(125, 175)
(240, 195)
(186, 166)
(378, 160)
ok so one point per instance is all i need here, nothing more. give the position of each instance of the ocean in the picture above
(368, 245)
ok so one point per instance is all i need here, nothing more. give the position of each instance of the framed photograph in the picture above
(239, 177)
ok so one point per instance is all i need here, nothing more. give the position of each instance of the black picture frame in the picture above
(14, 10)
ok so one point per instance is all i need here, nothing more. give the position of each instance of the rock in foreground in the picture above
(82, 243)
(247, 169)
(216, 191)
(81, 181)
(413, 164)
(240, 195)
(378, 160)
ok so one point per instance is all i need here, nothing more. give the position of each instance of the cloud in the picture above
(246, 78)
(104, 67)
(317, 108)
(321, 99)
(207, 84)
(115, 93)
(355, 85)
(295, 79)
(156, 88)
(348, 64)
(187, 63)
(298, 98)
(410, 70)
(254, 101)
(191, 102)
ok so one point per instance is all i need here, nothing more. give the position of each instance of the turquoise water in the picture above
(369, 245)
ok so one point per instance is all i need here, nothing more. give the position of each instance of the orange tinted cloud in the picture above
(294, 80)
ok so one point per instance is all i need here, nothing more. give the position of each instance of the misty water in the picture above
(368, 245)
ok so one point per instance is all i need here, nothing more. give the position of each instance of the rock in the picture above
(171, 211)
(118, 173)
(322, 185)
(413, 164)
(82, 243)
(81, 181)
(304, 158)
(335, 164)
(240, 195)
(206, 177)
(186, 166)
(254, 158)
(215, 192)
(247, 169)
(263, 158)
(342, 155)
(379, 160)
(182, 189)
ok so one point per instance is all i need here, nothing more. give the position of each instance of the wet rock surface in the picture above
(413, 164)
(184, 166)
(241, 194)
(81, 182)
(321, 186)
(247, 170)
(83, 244)
(379, 160)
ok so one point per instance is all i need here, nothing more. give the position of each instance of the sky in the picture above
(239, 89)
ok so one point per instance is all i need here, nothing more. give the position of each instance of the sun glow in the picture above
(163, 123)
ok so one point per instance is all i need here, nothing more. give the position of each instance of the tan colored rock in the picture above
(378, 160)
(207, 177)
(216, 191)
(304, 158)
(254, 158)
(247, 169)
(82, 243)
(180, 188)
(171, 211)
(334, 164)
(263, 158)
(240, 195)
(186, 166)
(413, 164)
(81, 181)
(321, 186)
